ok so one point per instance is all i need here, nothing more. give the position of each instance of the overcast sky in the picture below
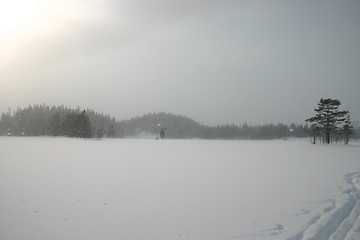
(216, 61)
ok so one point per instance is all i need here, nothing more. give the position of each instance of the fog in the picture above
(217, 62)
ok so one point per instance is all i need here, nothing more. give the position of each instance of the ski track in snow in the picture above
(339, 221)
(276, 230)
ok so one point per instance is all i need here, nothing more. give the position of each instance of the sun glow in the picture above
(26, 25)
(17, 16)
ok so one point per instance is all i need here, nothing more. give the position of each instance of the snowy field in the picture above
(74, 189)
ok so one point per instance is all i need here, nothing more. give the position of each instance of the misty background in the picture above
(218, 62)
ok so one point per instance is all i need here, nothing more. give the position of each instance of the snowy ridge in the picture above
(341, 220)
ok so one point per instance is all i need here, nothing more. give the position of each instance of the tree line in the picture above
(180, 127)
(43, 120)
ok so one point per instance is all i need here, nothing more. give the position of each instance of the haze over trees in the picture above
(329, 123)
(348, 128)
(181, 127)
(43, 120)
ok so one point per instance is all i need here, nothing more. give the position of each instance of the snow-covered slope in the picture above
(57, 188)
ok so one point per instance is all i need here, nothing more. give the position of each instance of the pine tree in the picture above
(111, 132)
(56, 125)
(315, 131)
(83, 125)
(69, 125)
(6, 123)
(347, 128)
(328, 117)
(162, 133)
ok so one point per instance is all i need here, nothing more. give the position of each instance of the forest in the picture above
(43, 120)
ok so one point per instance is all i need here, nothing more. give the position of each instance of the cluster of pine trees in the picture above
(43, 120)
(329, 123)
(71, 125)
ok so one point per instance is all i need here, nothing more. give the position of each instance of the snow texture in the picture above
(75, 189)
(340, 220)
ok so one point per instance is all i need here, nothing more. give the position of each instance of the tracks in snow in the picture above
(340, 221)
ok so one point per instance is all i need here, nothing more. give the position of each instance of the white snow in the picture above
(133, 189)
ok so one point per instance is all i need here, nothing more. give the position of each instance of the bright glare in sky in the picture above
(24, 22)
(17, 16)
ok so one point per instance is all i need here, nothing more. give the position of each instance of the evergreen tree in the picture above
(162, 133)
(6, 123)
(77, 125)
(328, 117)
(111, 132)
(347, 128)
(83, 125)
(56, 125)
(315, 131)
(69, 125)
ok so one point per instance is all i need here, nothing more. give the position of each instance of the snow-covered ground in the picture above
(131, 189)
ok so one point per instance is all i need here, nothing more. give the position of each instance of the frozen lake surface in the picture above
(111, 189)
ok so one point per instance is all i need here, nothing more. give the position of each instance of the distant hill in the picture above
(180, 127)
(175, 126)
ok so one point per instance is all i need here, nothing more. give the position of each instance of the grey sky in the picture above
(215, 61)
